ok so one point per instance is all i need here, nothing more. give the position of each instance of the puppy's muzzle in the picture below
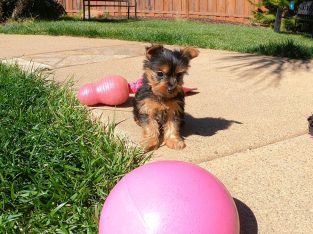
(170, 89)
(171, 86)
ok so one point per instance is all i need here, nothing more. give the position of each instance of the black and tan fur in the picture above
(310, 120)
(159, 103)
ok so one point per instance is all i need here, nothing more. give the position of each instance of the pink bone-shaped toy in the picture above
(111, 90)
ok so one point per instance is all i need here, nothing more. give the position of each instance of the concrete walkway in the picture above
(247, 125)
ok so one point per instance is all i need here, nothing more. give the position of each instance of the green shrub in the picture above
(266, 11)
(264, 18)
(6, 8)
(20, 9)
(289, 24)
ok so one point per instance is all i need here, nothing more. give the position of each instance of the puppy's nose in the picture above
(171, 85)
(171, 88)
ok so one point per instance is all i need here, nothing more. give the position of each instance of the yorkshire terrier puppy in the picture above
(159, 103)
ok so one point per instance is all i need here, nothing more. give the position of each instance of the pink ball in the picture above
(87, 94)
(169, 197)
(112, 90)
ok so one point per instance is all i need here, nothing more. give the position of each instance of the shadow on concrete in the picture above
(310, 120)
(248, 222)
(128, 103)
(205, 126)
(263, 69)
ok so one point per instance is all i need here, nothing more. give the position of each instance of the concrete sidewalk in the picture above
(247, 124)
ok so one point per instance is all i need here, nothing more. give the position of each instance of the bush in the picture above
(6, 8)
(289, 24)
(21, 9)
(264, 18)
(266, 12)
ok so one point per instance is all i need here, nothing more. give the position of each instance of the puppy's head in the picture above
(165, 69)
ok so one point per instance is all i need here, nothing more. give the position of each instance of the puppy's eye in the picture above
(160, 74)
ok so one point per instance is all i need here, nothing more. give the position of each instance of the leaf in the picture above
(57, 208)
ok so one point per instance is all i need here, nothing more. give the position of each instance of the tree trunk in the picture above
(279, 15)
(1, 13)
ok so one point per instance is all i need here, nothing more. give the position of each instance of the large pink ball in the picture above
(169, 197)
(87, 94)
(112, 90)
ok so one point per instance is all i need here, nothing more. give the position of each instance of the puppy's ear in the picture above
(153, 49)
(190, 52)
(310, 118)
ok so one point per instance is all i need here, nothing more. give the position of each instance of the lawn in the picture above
(56, 164)
(239, 38)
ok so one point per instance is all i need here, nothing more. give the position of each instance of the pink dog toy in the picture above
(111, 90)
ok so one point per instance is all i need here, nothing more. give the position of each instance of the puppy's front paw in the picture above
(150, 144)
(175, 143)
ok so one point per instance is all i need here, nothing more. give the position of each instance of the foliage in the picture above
(56, 165)
(264, 18)
(266, 11)
(20, 9)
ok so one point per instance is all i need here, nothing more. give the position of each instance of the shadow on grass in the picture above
(299, 33)
(247, 220)
(284, 49)
(102, 20)
(205, 126)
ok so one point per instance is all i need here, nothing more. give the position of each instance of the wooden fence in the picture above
(227, 10)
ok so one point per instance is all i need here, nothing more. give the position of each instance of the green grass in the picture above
(178, 32)
(56, 164)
